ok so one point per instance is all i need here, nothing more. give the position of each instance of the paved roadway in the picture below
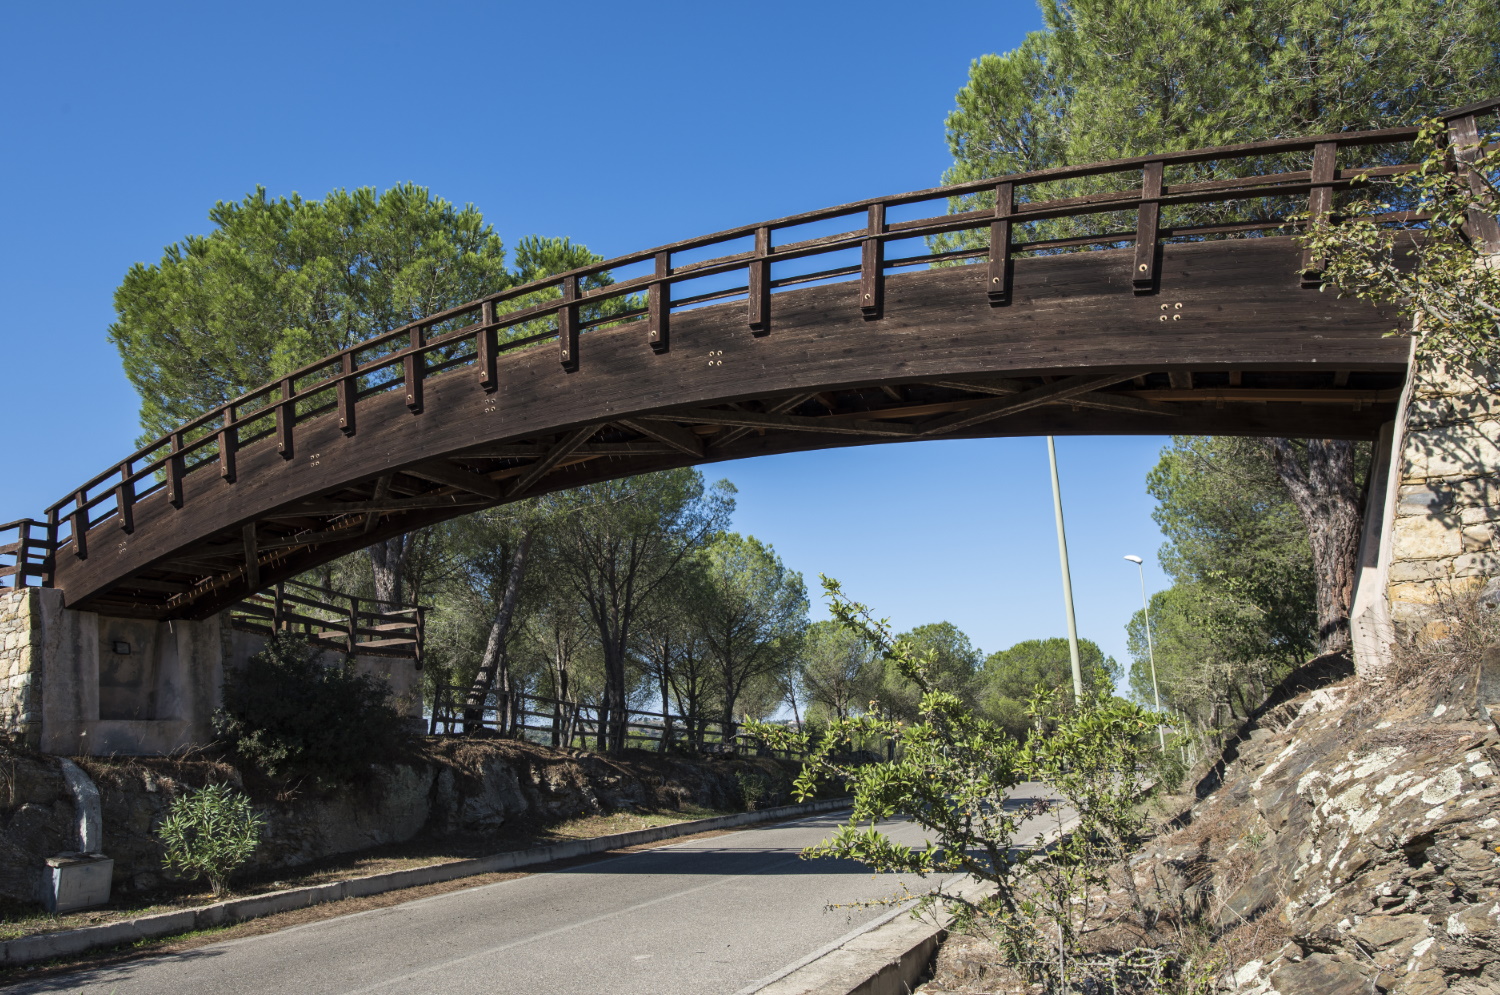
(707, 917)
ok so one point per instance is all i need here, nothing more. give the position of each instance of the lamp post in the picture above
(1067, 579)
(1150, 645)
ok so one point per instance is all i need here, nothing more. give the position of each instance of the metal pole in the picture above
(1150, 647)
(1067, 579)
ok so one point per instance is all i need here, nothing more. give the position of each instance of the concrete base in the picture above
(76, 881)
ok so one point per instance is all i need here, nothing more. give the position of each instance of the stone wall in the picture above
(1447, 516)
(75, 683)
(20, 681)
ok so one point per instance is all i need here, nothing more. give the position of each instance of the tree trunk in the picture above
(1326, 494)
(387, 562)
(494, 649)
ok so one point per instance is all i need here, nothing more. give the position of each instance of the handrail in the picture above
(273, 410)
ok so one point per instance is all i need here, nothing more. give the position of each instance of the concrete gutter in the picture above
(884, 957)
(65, 943)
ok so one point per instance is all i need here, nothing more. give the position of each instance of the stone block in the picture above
(1421, 499)
(1478, 538)
(1405, 571)
(1419, 538)
(1477, 565)
(76, 881)
(1465, 449)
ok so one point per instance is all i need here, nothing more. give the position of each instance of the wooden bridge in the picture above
(1177, 300)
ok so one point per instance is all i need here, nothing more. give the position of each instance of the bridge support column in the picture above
(20, 666)
(1433, 534)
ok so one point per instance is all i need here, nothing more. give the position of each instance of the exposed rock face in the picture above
(1352, 845)
(468, 787)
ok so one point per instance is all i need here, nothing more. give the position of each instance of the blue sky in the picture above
(620, 125)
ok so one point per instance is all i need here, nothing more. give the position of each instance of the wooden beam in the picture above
(533, 450)
(1323, 396)
(893, 393)
(1181, 380)
(780, 407)
(388, 506)
(795, 423)
(1059, 390)
(252, 558)
(444, 472)
(667, 434)
(536, 471)
(1341, 378)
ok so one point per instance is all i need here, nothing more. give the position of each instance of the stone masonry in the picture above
(20, 680)
(1447, 515)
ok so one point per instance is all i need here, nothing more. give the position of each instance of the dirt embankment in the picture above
(470, 790)
(1351, 843)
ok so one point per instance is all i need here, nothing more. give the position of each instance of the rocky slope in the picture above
(466, 788)
(1350, 843)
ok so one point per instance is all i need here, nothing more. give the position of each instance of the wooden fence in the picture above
(25, 554)
(539, 719)
(328, 619)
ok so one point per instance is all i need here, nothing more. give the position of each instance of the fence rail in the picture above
(329, 619)
(466, 340)
(554, 722)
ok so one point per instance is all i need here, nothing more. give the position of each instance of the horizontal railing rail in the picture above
(471, 336)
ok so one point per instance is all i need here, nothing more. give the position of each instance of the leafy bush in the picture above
(754, 787)
(209, 833)
(291, 717)
(954, 775)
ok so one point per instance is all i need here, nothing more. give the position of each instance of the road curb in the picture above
(884, 960)
(48, 946)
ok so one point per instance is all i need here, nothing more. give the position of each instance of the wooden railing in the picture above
(331, 620)
(466, 340)
(25, 554)
(540, 719)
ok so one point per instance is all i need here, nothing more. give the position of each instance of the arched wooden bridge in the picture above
(764, 339)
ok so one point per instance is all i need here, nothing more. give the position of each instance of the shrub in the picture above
(953, 775)
(291, 717)
(209, 833)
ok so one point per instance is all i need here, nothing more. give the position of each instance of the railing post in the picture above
(286, 418)
(175, 469)
(421, 635)
(23, 553)
(414, 369)
(353, 628)
(486, 345)
(80, 523)
(125, 499)
(659, 305)
(1147, 221)
(567, 324)
(229, 444)
(759, 280)
(998, 286)
(49, 565)
(1319, 205)
(1463, 136)
(872, 266)
(348, 391)
(278, 609)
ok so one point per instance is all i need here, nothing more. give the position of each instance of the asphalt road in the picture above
(706, 917)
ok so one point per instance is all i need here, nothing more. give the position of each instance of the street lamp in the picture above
(1150, 645)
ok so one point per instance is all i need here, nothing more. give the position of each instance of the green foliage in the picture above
(951, 664)
(1010, 677)
(1109, 79)
(209, 833)
(953, 774)
(1439, 275)
(1242, 608)
(281, 282)
(754, 787)
(288, 715)
(839, 669)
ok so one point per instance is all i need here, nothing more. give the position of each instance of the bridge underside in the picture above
(1229, 343)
